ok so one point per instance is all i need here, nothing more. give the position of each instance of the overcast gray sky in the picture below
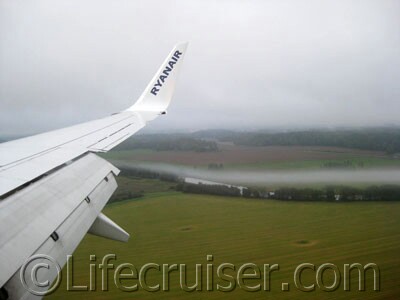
(250, 64)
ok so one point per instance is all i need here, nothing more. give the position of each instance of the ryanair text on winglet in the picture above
(164, 75)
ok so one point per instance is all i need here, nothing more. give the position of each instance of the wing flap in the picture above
(69, 234)
(31, 215)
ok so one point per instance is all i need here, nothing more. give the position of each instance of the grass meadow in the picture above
(171, 227)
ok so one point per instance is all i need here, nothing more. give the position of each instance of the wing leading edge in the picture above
(53, 185)
(25, 159)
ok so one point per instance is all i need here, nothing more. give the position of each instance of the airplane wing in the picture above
(53, 186)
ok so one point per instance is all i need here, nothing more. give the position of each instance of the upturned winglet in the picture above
(158, 93)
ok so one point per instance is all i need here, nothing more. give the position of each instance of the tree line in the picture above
(387, 140)
(173, 142)
(137, 172)
(340, 193)
(210, 189)
(379, 138)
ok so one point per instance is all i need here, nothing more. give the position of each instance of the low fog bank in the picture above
(373, 176)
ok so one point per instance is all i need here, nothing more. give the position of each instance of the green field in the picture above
(170, 227)
(262, 158)
(310, 164)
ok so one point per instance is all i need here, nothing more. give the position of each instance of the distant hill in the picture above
(214, 134)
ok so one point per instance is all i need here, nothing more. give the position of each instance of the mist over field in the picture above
(375, 176)
(254, 158)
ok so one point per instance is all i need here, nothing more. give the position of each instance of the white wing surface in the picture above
(53, 187)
